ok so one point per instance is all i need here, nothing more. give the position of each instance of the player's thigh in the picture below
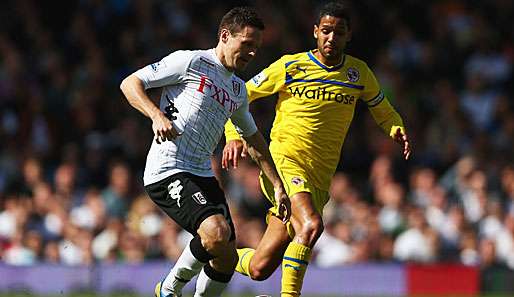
(272, 246)
(303, 211)
(310, 197)
(302, 206)
(189, 200)
(216, 198)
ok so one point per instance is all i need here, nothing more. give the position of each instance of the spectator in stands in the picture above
(419, 243)
(116, 194)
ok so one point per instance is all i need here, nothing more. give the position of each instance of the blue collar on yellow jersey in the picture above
(290, 79)
(329, 69)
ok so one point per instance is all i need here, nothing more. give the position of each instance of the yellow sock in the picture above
(243, 264)
(294, 265)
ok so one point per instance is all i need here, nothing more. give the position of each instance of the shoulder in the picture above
(181, 54)
(356, 69)
(289, 59)
(204, 56)
(237, 79)
(286, 61)
(352, 61)
(296, 56)
(177, 61)
(184, 56)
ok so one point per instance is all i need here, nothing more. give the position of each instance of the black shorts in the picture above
(189, 199)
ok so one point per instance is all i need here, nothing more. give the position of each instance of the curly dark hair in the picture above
(336, 9)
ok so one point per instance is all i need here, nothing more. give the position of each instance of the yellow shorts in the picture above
(294, 182)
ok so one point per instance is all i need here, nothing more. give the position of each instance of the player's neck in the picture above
(327, 62)
(221, 57)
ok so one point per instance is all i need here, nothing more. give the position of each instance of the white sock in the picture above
(185, 269)
(208, 287)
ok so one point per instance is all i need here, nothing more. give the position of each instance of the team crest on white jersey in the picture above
(174, 190)
(353, 74)
(199, 198)
(236, 87)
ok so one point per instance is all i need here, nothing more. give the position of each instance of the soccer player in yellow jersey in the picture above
(317, 95)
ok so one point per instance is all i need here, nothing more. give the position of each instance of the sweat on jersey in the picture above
(206, 95)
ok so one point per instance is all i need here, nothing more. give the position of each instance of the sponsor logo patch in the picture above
(199, 198)
(158, 65)
(259, 78)
(207, 87)
(323, 94)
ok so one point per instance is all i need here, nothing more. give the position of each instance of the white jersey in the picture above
(206, 95)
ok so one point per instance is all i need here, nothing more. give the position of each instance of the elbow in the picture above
(124, 83)
(130, 82)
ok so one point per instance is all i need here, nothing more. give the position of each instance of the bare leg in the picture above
(270, 251)
(308, 226)
(215, 233)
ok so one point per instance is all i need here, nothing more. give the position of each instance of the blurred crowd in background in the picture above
(72, 150)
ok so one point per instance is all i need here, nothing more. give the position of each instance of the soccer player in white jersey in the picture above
(200, 92)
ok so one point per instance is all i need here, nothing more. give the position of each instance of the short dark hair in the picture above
(238, 18)
(336, 9)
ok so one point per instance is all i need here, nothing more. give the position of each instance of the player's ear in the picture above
(315, 33)
(224, 34)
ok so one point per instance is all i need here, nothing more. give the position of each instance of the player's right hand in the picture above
(284, 204)
(163, 128)
(401, 137)
(231, 153)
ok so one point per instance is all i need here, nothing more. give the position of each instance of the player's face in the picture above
(332, 34)
(241, 47)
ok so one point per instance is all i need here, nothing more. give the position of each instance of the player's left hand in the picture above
(401, 137)
(284, 204)
(231, 153)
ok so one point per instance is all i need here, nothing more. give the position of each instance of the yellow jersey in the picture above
(315, 107)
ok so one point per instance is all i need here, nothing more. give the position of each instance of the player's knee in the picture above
(258, 275)
(259, 271)
(217, 237)
(311, 230)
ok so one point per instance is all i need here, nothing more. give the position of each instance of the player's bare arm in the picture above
(133, 89)
(258, 150)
